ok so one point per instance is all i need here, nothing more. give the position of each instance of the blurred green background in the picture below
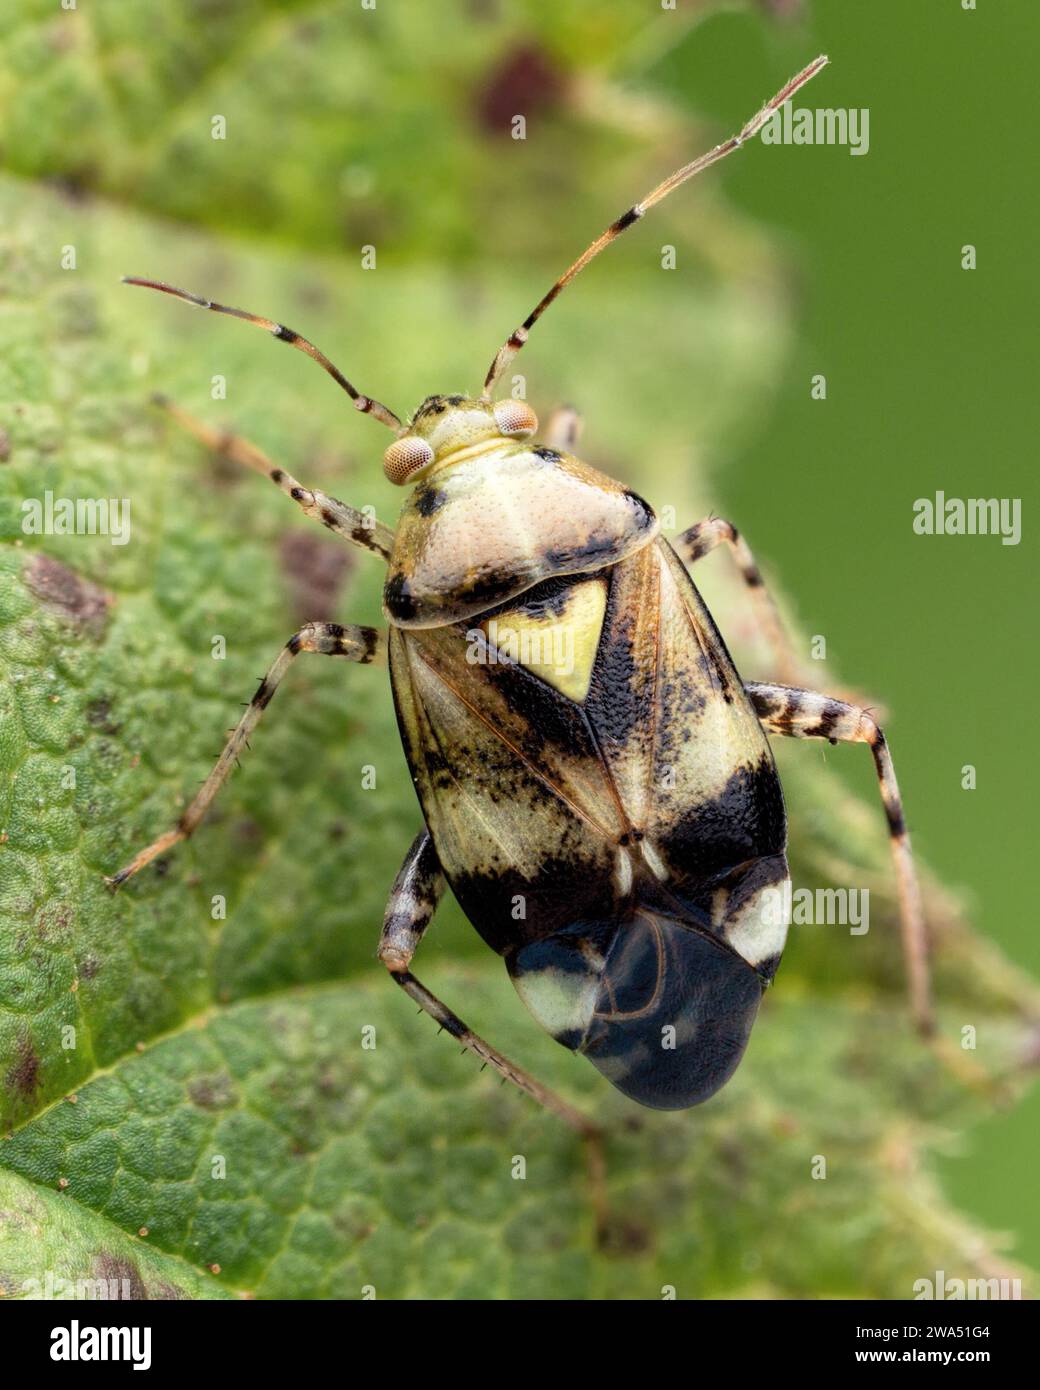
(931, 386)
(390, 128)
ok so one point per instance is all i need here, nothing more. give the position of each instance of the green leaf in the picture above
(183, 1082)
(51, 1248)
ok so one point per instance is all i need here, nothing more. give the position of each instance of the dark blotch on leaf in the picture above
(248, 833)
(526, 79)
(122, 1276)
(98, 712)
(75, 186)
(78, 600)
(315, 570)
(625, 1237)
(23, 1075)
(213, 1092)
(168, 1293)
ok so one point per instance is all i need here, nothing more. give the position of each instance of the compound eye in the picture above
(405, 457)
(515, 418)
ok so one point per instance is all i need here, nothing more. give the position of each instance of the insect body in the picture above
(595, 777)
(606, 811)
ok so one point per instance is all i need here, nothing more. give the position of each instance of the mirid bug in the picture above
(623, 794)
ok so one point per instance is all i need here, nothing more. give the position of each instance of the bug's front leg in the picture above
(701, 540)
(345, 521)
(361, 644)
(797, 713)
(413, 900)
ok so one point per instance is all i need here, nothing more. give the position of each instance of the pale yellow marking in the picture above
(657, 865)
(558, 647)
(759, 930)
(719, 900)
(704, 765)
(623, 873)
(561, 1001)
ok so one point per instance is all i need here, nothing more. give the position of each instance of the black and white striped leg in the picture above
(418, 888)
(563, 429)
(794, 713)
(361, 644)
(701, 540)
(345, 521)
(413, 901)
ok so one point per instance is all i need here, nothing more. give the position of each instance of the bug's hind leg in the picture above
(701, 540)
(805, 714)
(337, 516)
(413, 901)
(361, 644)
(417, 890)
(563, 428)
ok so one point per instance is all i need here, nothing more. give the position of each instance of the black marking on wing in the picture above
(744, 821)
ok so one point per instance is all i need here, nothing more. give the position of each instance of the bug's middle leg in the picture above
(330, 511)
(413, 900)
(701, 540)
(795, 713)
(361, 644)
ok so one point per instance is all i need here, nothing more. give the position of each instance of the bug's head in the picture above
(448, 427)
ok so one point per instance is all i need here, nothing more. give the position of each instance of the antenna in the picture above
(286, 335)
(517, 339)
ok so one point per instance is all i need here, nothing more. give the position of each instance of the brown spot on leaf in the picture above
(330, 1080)
(54, 921)
(214, 1092)
(23, 1075)
(314, 295)
(98, 712)
(315, 569)
(5, 446)
(75, 186)
(122, 1276)
(525, 81)
(63, 38)
(78, 600)
(625, 1237)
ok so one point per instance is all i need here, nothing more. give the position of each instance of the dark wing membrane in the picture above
(662, 1011)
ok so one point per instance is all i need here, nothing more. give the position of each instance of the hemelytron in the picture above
(629, 802)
